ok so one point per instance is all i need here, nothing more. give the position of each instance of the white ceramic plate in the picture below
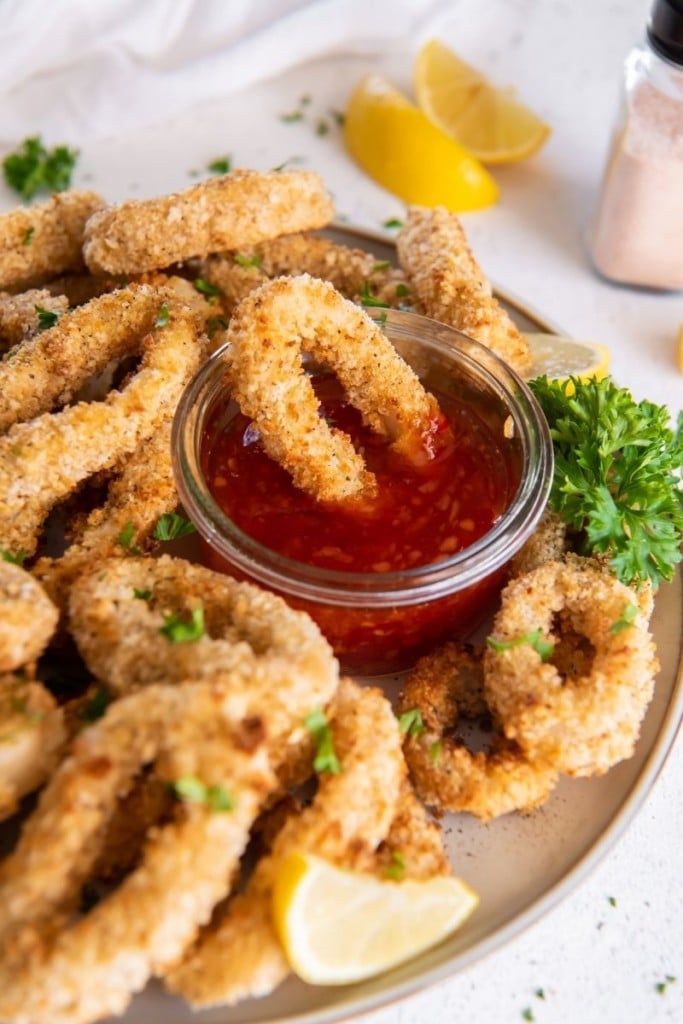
(520, 865)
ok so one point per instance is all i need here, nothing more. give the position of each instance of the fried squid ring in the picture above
(28, 617)
(450, 286)
(443, 687)
(239, 954)
(237, 209)
(47, 370)
(547, 543)
(59, 970)
(44, 460)
(586, 718)
(267, 332)
(38, 242)
(247, 631)
(32, 735)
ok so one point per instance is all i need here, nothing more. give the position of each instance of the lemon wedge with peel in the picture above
(398, 146)
(490, 122)
(339, 926)
(558, 358)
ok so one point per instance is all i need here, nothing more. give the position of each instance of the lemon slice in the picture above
(488, 121)
(339, 926)
(401, 149)
(557, 357)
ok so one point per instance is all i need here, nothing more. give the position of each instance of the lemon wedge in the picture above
(339, 926)
(402, 150)
(488, 121)
(557, 357)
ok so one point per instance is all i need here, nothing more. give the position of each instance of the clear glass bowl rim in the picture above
(399, 588)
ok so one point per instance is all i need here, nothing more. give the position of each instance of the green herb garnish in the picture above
(528, 1014)
(97, 705)
(617, 480)
(171, 526)
(291, 118)
(163, 316)
(126, 539)
(367, 299)
(46, 318)
(411, 723)
(401, 290)
(662, 986)
(339, 118)
(322, 127)
(182, 631)
(534, 639)
(32, 168)
(393, 222)
(625, 619)
(435, 752)
(222, 165)
(192, 790)
(244, 260)
(212, 291)
(382, 265)
(540, 993)
(142, 595)
(216, 323)
(612, 901)
(28, 236)
(397, 867)
(15, 558)
(326, 759)
(382, 320)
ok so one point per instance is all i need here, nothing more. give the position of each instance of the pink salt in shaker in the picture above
(638, 231)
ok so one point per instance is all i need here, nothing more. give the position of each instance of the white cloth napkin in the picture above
(74, 70)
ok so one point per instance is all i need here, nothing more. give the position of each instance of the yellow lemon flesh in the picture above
(403, 151)
(488, 121)
(339, 926)
(557, 357)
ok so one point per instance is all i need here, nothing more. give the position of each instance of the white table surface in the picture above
(597, 963)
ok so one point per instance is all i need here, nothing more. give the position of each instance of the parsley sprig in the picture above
(617, 479)
(32, 168)
(170, 526)
(47, 318)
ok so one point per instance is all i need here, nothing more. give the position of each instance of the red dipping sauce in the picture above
(421, 515)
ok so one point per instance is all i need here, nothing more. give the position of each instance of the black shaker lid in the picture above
(665, 29)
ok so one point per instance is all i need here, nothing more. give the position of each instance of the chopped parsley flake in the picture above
(393, 222)
(212, 291)
(612, 901)
(126, 539)
(534, 639)
(180, 631)
(142, 595)
(293, 117)
(192, 790)
(528, 1014)
(410, 722)
(46, 318)
(97, 705)
(401, 290)
(221, 165)
(243, 260)
(326, 759)
(163, 316)
(397, 867)
(289, 160)
(171, 526)
(383, 265)
(625, 619)
(339, 118)
(322, 127)
(435, 752)
(368, 299)
(540, 993)
(32, 168)
(662, 986)
(216, 323)
(17, 558)
(28, 235)
(20, 706)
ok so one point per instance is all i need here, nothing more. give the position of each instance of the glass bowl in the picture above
(381, 622)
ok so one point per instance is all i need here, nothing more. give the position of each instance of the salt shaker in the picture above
(638, 231)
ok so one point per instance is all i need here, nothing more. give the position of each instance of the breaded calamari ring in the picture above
(136, 498)
(451, 287)
(239, 954)
(267, 333)
(589, 719)
(47, 370)
(19, 315)
(32, 736)
(548, 543)
(28, 617)
(443, 687)
(37, 242)
(413, 847)
(59, 970)
(247, 631)
(44, 460)
(227, 212)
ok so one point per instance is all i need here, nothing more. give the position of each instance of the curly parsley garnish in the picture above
(16, 557)
(193, 791)
(180, 630)
(326, 759)
(171, 526)
(534, 639)
(411, 723)
(32, 168)
(617, 479)
(47, 318)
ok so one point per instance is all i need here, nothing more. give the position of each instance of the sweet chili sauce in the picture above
(421, 514)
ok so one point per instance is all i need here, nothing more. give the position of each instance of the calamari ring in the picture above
(38, 242)
(443, 687)
(450, 286)
(237, 209)
(28, 617)
(268, 331)
(57, 970)
(48, 369)
(588, 719)
(247, 630)
(239, 954)
(32, 735)
(548, 543)
(43, 461)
